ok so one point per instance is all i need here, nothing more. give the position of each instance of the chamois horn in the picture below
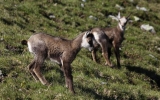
(128, 16)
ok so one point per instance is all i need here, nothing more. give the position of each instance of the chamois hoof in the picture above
(46, 83)
(119, 67)
(73, 92)
(49, 84)
(110, 65)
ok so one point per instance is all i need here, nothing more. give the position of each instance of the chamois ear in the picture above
(89, 34)
(119, 15)
(24, 42)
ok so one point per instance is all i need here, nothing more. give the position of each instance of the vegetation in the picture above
(138, 79)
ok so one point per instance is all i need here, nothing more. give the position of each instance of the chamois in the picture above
(59, 50)
(114, 37)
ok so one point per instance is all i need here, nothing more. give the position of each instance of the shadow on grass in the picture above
(151, 74)
(59, 71)
(92, 92)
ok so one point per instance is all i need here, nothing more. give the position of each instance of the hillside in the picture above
(138, 79)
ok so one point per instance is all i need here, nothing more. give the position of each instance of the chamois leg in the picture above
(68, 76)
(38, 64)
(61, 67)
(109, 53)
(61, 70)
(94, 57)
(105, 53)
(30, 67)
(117, 53)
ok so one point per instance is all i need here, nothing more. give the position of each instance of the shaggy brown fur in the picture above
(114, 37)
(59, 50)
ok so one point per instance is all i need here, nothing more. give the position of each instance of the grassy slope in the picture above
(139, 77)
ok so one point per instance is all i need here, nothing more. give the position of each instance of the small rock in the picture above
(113, 17)
(1, 73)
(131, 0)
(152, 56)
(103, 83)
(136, 18)
(120, 7)
(147, 27)
(1, 76)
(158, 49)
(141, 8)
(92, 17)
(82, 5)
(1, 39)
(51, 16)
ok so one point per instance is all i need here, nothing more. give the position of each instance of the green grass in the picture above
(138, 79)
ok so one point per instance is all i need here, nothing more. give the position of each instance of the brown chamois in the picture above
(114, 37)
(59, 50)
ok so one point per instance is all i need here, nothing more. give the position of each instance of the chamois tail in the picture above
(24, 42)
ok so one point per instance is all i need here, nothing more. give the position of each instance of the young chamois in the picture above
(59, 50)
(114, 37)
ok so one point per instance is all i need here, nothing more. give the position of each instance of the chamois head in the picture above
(87, 41)
(123, 20)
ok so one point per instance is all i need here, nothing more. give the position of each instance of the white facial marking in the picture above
(120, 26)
(85, 43)
(123, 20)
